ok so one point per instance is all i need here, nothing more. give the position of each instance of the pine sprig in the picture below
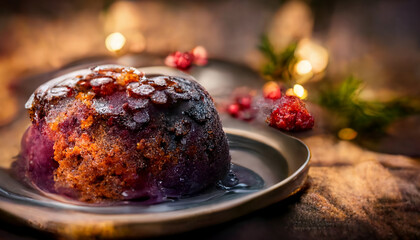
(362, 115)
(278, 66)
(267, 49)
(343, 100)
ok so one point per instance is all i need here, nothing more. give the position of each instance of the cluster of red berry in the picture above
(287, 113)
(242, 107)
(291, 114)
(184, 60)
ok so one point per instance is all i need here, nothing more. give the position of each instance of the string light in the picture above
(289, 92)
(315, 54)
(347, 134)
(115, 42)
(300, 91)
(303, 67)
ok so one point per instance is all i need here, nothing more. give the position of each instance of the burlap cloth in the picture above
(351, 193)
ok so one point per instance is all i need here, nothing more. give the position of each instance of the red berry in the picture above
(271, 90)
(275, 94)
(180, 60)
(245, 102)
(200, 55)
(291, 115)
(233, 109)
(170, 61)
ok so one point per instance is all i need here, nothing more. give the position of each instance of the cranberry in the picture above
(271, 90)
(233, 109)
(291, 115)
(245, 102)
(276, 94)
(200, 55)
(242, 108)
(180, 60)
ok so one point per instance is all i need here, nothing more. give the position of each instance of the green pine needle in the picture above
(278, 66)
(362, 115)
(267, 49)
(343, 100)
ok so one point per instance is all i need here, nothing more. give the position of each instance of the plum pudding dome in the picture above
(115, 133)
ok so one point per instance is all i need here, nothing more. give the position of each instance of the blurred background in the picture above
(377, 41)
(355, 62)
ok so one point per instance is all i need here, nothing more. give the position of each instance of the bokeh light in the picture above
(303, 67)
(347, 134)
(115, 42)
(300, 91)
(314, 53)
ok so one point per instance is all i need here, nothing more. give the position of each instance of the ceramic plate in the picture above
(277, 163)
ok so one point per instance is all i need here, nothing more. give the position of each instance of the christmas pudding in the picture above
(114, 133)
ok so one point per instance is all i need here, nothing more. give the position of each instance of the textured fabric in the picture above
(351, 193)
(356, 193)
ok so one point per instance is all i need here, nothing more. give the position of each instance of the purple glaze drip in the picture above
(36, 159)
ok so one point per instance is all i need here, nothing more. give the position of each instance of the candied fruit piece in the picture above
(101, 106)
(58, 92)
(140, 89)
(127, 77)
(160, 81)
(97, 82)
(103, 85)
(159, 97)
(137, 103)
